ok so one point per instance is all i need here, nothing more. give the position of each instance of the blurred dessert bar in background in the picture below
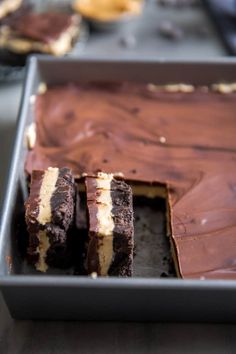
(52, 33)
(107, 10)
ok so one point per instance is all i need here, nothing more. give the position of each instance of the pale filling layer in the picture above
(8, 6)
(42, 251)
(10, 40)
(47, 189)
(105, 222)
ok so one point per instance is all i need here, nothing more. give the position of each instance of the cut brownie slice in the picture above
(49, 215)
(51, 33)
(111, 230)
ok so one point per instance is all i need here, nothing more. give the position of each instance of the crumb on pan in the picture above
(31, 136)
(42, 88)
(94, 275)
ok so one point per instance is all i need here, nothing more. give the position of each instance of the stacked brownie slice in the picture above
(50, 215)
(111, 231)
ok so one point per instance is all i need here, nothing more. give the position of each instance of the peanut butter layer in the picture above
(182, 140)
(105, 222)
(47, 189)
(42, 249)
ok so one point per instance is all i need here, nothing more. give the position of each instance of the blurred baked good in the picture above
(107, 10)
(51, 33)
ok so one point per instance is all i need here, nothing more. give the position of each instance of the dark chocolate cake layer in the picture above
(49, 215)
(111, 229)
(183, 140)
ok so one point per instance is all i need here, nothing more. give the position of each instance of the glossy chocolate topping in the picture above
(43, 27)
(184, 140)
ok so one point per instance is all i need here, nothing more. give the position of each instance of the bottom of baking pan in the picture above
(152, 256)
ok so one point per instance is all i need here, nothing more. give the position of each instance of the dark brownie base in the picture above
(63, 200)
(60, 253)
(123, 234)
(58, 230)
(122, 265)
(79, 242)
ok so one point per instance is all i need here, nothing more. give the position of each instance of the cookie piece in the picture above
(111, 230)
(49, 215)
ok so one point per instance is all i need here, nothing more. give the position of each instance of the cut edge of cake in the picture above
(111, 230)
(49, 212)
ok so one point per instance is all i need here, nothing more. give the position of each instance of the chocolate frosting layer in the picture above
(184, 140)
(43, 27)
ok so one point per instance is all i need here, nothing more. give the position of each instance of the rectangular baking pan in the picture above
(83, 298)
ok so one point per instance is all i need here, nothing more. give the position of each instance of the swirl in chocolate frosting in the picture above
(184, 140)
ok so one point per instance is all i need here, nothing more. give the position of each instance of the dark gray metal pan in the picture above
(72, 297)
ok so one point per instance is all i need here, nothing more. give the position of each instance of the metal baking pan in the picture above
(83, 298)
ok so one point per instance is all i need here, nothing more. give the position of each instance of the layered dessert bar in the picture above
(111, 230)
(49, 215)
(9, 6)
(51, 33)
(179, 137)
